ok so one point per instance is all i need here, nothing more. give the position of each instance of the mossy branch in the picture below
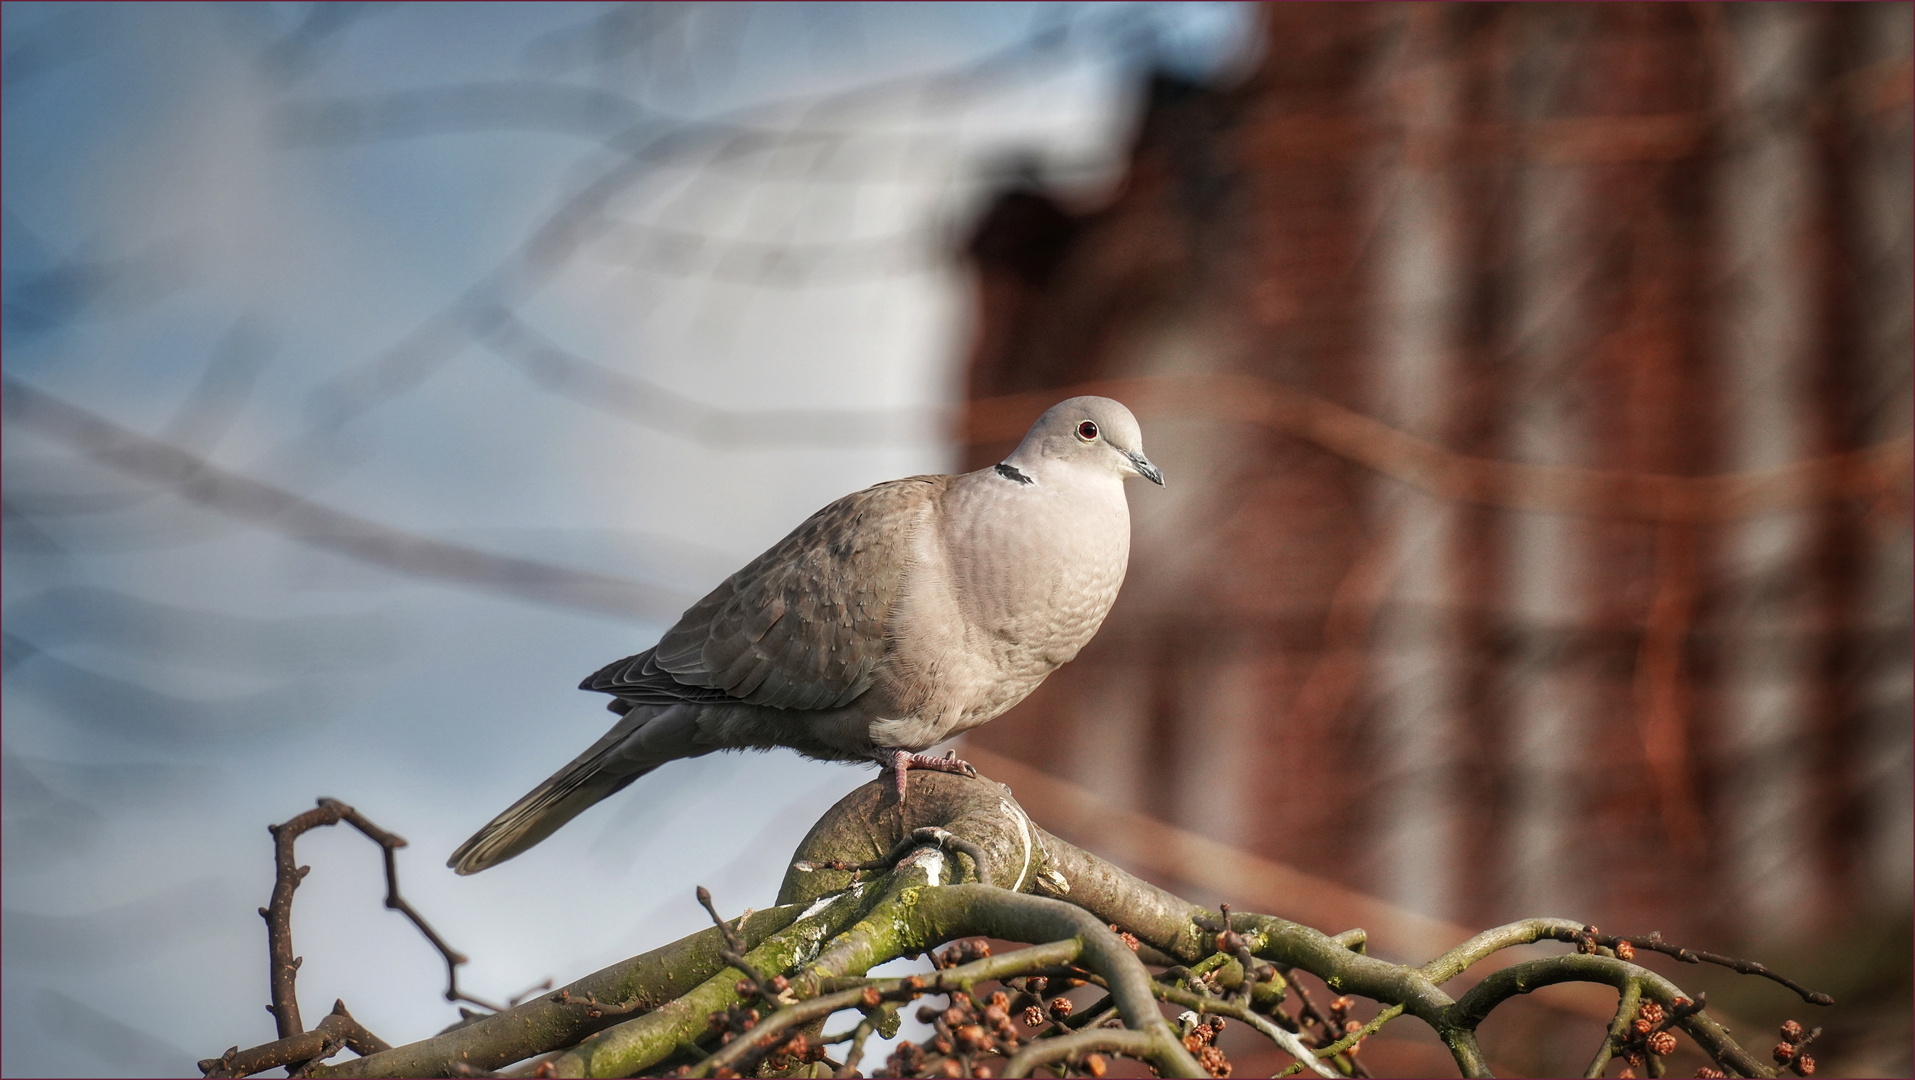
(550, 1021)
(873, 882)
(629, 1047)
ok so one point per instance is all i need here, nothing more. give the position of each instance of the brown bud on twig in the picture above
(1662, 1043)
(1060, 1008)
(1033, 1016)
(1625, 951)
(1651, 1012)
(1791, 1032)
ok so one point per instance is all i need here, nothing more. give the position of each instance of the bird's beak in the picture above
(1144, 468)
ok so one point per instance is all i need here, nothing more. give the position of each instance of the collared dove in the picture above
(888, 622)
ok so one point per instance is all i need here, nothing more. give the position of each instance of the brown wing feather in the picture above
(800, 627)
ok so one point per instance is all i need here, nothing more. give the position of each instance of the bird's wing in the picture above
(803, 625)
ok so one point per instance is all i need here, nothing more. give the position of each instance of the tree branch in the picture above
(561, 1019)
(1626, 1003)
(1535, 974)
(806, 960)
(283, 966)
(771, 1032)
(637, 1044)
(1074, 1046)
(337, 1030)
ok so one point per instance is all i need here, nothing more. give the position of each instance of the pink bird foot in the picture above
(901, 762)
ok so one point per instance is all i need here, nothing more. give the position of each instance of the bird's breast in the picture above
(1011, 583)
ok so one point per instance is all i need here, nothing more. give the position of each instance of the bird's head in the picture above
(1086, 432)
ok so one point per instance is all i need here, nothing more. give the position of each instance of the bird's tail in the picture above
(648, 736)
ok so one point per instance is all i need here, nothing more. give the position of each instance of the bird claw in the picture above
(902, 762)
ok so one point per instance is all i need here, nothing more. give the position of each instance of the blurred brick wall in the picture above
(1664, 239)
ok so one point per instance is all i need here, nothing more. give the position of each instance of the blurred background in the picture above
(1533, 384)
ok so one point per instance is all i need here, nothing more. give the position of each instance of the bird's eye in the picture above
(1087, 431)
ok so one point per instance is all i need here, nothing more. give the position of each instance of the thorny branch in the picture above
(873, 882)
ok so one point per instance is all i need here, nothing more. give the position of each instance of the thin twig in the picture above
(1290, 1043)
(283, 966)
(1317, 1016)
(594, 1008)
(1629, 999)
(1136, 1044)
(1343, 1045)
(859, 1036)
(1797, 1049)
(770, 1032)
(1655, 943)
(391, 843)
(734, 953)
(537, 988)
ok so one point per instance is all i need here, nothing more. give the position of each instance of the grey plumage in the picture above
(891, 620)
